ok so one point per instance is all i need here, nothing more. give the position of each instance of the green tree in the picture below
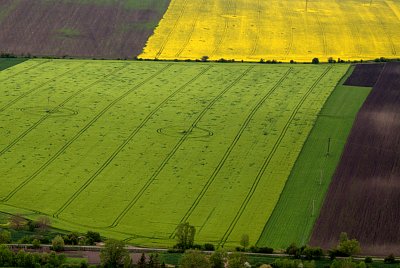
(237, 260)
(244, 241)
(348, 247)
(58, 243)
(114, 254)
(5, 237)
(218, 258)
(185, 235)
(194, 259)
(92, 237)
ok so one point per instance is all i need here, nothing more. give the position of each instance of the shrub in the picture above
(209, 247)
(5, 237)
(390, 259)
(368, 260)
(93, 237)
(315, 61)
(35, 243)
(58, 243)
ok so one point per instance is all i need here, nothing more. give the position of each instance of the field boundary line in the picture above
(27, 69)
(126, 141)
(231, 147)
(55, 109)
(166, 40)
(175, 149)
(339, 83)
(88, 125)
(189, 36)
(268, 160)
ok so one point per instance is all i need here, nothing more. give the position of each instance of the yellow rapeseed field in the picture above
(283, 30)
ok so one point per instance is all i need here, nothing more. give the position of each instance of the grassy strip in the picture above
(304, 192)
(9, 62)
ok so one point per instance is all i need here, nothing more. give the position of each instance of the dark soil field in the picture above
(364, 197)
(78, 28)
(365, 75)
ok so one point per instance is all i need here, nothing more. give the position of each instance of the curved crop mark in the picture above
(2, 109)
(175, 149)
(25, 70)
(52, 111)
(130, 137)
(164, 43)
(189, 36)
(83, 130)
(230, 149)
(268, 160)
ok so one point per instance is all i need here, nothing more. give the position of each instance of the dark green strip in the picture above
(9, 62)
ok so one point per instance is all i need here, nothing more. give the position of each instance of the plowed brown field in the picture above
(364, 197)
(89, 28)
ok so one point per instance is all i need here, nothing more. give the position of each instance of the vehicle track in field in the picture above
(55, 109)
(175, 149)
(192, 29)
(23, 95)
(83, 130)
(231, 147)
(388, 37)
(268, 160)
(129, 139)
(258, 30)
(229, 7)
(288, 15)
(173, 29)
(25, 70)
(323, 34)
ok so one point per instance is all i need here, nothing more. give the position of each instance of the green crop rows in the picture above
(303, 195)
(132, 149)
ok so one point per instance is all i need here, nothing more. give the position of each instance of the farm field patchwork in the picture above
(286, 30)
(132, 149)
(363, 198)
(300, 202)
(78, 28)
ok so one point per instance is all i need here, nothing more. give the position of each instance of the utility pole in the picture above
(320, 178)
(313, 207)
(329, 147)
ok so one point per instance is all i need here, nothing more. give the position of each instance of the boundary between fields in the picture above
(268, 160)
(167, 38)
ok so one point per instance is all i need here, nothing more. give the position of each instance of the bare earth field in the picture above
(364, 197)
(78, 28)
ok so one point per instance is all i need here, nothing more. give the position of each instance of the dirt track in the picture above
(364, 197)
(72, 28)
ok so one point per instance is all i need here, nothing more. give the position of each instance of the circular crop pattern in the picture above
(178, 131)
(58, 112)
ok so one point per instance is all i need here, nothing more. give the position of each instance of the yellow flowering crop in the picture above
(283, 30)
